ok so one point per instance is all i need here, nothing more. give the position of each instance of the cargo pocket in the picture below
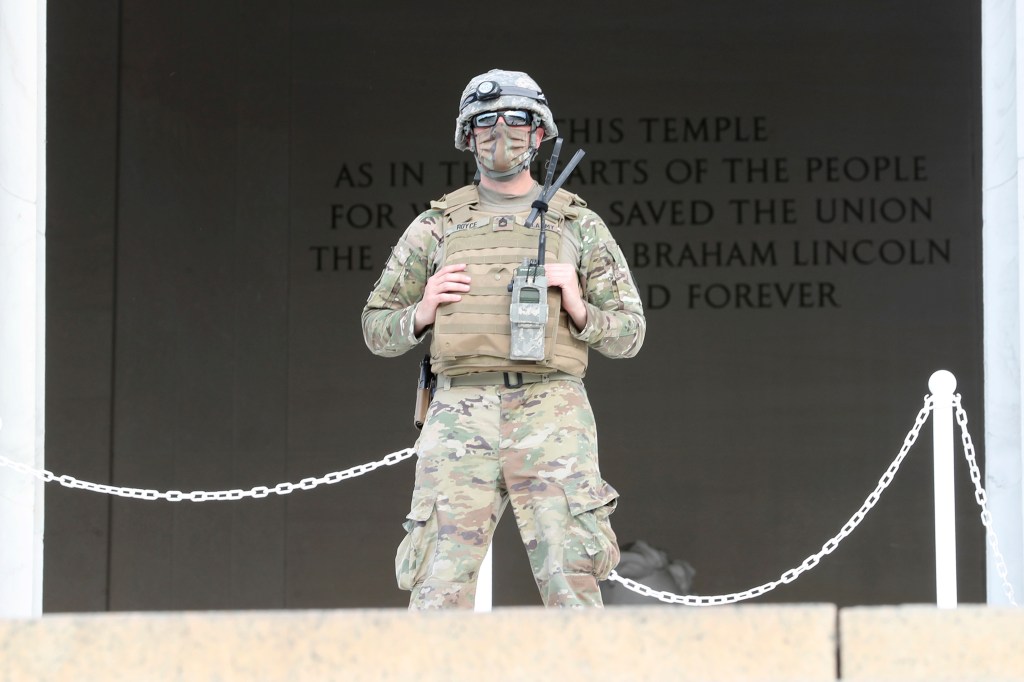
(416, 553)
(590, 507)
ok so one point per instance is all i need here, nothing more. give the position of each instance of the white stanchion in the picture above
(942, 384)
(484, 583)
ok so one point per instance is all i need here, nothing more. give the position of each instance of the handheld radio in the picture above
(529, 309)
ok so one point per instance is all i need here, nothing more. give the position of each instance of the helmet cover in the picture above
(499, 89)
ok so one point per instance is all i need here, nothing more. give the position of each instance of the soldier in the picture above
(501, 430)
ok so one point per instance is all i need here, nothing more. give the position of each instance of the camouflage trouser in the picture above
(483, 446)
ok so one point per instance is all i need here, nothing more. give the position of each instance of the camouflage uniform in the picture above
(489, 440)
(485, 446)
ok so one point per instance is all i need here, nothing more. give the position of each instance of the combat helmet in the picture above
(500, 89)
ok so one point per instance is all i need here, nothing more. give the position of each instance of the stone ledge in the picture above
(973, 643)
(638, 643)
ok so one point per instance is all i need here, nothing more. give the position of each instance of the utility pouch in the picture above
(529, 312)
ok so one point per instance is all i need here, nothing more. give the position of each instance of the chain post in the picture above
(942, 384)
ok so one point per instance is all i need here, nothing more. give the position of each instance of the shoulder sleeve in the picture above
(388, 317)
(615, 317)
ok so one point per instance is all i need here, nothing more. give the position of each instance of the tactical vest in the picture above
(473, 335)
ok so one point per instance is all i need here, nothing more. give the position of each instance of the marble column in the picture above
(1003, 287)
(22, 300)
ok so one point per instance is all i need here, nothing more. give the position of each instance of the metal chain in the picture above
(689, 600)
(811, 561)
(982, 499)
(207, 495)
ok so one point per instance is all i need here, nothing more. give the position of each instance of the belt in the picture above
(506, 379)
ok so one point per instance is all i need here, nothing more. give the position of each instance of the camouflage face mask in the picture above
(501, 150)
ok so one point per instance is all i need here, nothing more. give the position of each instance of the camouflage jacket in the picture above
(615, 317)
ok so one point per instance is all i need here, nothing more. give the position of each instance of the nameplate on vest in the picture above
(467, 226)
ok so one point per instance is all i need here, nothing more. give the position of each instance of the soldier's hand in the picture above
(563, 276)
(444, 286)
